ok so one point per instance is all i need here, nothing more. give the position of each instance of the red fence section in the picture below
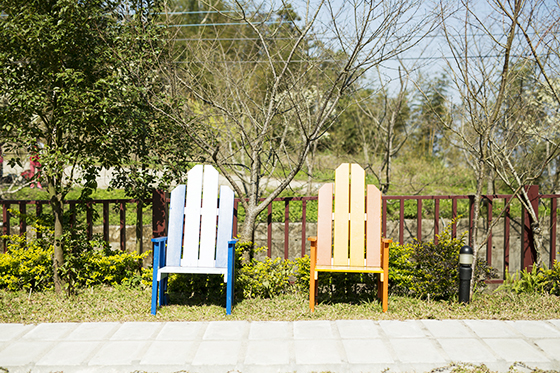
(159, 218)
(119, 204)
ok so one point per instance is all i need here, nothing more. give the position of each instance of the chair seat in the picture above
(205, 270)
(349, 269)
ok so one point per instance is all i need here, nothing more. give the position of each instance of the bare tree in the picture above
(256, 104)
(497, 127)
(378, 135)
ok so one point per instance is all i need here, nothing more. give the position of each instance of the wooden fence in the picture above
(426, 208)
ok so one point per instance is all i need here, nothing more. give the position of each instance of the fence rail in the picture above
(105, 204)
(393, 212)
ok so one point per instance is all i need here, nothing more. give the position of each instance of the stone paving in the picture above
(300, 346)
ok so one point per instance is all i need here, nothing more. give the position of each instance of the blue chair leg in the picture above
(230, 276)
(159, 259)
(154, 291)
(162, 289)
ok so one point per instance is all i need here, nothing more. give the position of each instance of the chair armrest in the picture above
(159, 252)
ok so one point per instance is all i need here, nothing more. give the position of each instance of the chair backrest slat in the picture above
(341, 214)
(373, 227)
(356, 235)
(175, 229)
(209, 217)
(192, 217)
(225, 225)
(324, 225)
(357, 215)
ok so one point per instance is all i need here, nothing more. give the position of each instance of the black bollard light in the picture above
(465, 273)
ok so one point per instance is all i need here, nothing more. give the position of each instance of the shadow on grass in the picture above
(197, 290)
(351, 288)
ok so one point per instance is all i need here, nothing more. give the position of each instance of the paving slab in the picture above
(136, 331)
(417, 350)
(181, 331)
(12, 331)
(556, 323)
(492, 329)
(50, 332)
(275, 352)
(69, 353)
(353, 329)
(217, 353)
(260, 330)
(534, 329)
(448, 328)
(515, 350)
(320, 329)
(403, 329)
(169, 353)
(93, 331)
(23, 353)
(371, 351)
(317, 351)
(119, 353)
(226, 330)
(468, 350)
(551, 347)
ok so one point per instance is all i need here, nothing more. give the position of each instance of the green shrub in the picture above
(302, 270)
(27, 263)
(335, 286)
(88, 263)
(430, 270)
(264, 278)
(254, 278)
(538, 280)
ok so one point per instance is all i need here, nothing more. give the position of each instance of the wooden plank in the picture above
(373, 227)
(208, 270)
(225, 225)
(352, 269)
(341, 214)
(192, 217)
(357, 215)
(175, 231)
(324, 225)
(209, 216)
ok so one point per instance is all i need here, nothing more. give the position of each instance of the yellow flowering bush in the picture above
(26, 265)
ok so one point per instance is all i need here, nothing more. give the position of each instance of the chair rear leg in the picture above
(312, 280)
(155, 287)
(385, 297)
(163, 296)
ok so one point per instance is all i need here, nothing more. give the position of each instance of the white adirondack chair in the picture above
(192, 232)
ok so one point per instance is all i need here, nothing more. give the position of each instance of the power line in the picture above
(226, 24)
(231, 39)
(335, 60)
(199, 12)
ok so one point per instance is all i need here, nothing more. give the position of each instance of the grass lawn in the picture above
(122, 304)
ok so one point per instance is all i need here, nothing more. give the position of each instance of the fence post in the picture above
(528, 252)
(159, 213)
(139, 228)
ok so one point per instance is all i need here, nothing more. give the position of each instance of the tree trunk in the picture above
(476, 213)
(58, 255)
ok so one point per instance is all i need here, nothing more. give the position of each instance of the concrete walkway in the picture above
(301, 346)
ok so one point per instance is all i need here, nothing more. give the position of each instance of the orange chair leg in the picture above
(385, 264)
(312, 281)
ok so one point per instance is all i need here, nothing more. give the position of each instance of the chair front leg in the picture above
(312, 280)
(230, 276)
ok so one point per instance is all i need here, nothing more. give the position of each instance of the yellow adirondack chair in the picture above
(355, 244)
